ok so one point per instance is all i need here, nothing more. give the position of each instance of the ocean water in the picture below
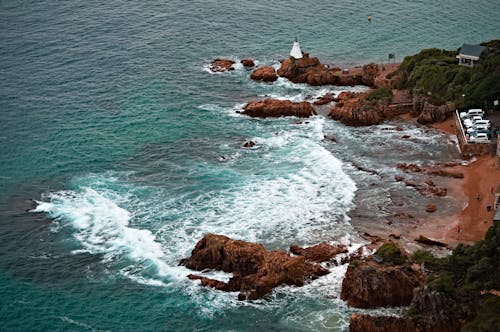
(110, 120)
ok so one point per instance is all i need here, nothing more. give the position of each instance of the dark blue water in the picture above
(109, 118)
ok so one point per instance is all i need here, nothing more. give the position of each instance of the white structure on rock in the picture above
(296, 52)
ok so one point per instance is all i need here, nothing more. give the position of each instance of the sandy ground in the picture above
(476, 190)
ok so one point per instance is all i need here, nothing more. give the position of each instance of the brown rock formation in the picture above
(277, 108)
(264, 74)
(311, 71)
(326, 99)
(426, 240)
(431, 208)
(371, 285)
(247, 63)
(367, 323)
(249, 144)
(221, 65)
(255, 271)
(353, 110)
(428, 113)
(318, 253)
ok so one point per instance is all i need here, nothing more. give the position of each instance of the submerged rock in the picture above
(278, 108)
(255, 271)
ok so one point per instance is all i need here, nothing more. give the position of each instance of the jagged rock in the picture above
(326, 99)
(371, 285)
(369, 73)
(264, 74)
(431, 208)
(221, 65)
(353, 110)
(426, 240)
(320, 252)
(367, 323)
(255, 271)
(249, 144)
(428, 113)
(247, 63)
(311, 71)
(277, 108)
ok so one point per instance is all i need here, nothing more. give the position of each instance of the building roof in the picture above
(472, 50)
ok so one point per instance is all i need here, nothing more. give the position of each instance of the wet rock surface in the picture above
(255, 270)
(278, 108)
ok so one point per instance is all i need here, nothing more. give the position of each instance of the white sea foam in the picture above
(292, 191)
(102, 227)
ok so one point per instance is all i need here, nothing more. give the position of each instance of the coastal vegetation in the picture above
(436, 74)
(383, 95)
(469, 278)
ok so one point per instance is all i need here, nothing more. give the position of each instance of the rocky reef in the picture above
(255, 270)
(311, 71)
(264, 74)
(221, 65)
(277, 108)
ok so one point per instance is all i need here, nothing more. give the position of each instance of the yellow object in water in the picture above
(369, 18)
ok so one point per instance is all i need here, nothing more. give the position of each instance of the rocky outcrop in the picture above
(367, 323)
(277, 108)
(247, 63)
(264, 74)
(425, 240)
(319, 253)
(220, 65)
(255, 271)
(428, 113)
(311, 71)
(436, 313)
(326, 99)
(370, 285)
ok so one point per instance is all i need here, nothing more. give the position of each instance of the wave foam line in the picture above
(102, 227)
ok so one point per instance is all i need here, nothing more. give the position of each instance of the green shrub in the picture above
(383, 95)
(391, 253)
(442, 282)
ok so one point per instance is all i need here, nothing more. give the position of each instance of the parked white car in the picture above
(480, 137)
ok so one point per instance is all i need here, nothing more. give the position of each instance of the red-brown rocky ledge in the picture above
(311, 71)
(277, 108)
(319, 253)
(353, 109)
(255, 271)
(436, 313)
(264, 74)
(326, 99)
(220, 65)
(407, 168)
(368, 284)
(247, 63)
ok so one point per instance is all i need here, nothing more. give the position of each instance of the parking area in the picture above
(479, 127)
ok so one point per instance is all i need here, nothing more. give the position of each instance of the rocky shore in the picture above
(381, 280)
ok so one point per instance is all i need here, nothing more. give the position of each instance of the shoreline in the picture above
(469, 224)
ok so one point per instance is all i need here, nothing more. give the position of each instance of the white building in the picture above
(296, 52)
(469, 54)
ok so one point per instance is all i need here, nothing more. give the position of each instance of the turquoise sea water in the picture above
(109, 118)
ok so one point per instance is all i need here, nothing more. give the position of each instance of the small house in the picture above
(470, 54)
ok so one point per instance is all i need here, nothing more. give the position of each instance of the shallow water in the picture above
(110, 120)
